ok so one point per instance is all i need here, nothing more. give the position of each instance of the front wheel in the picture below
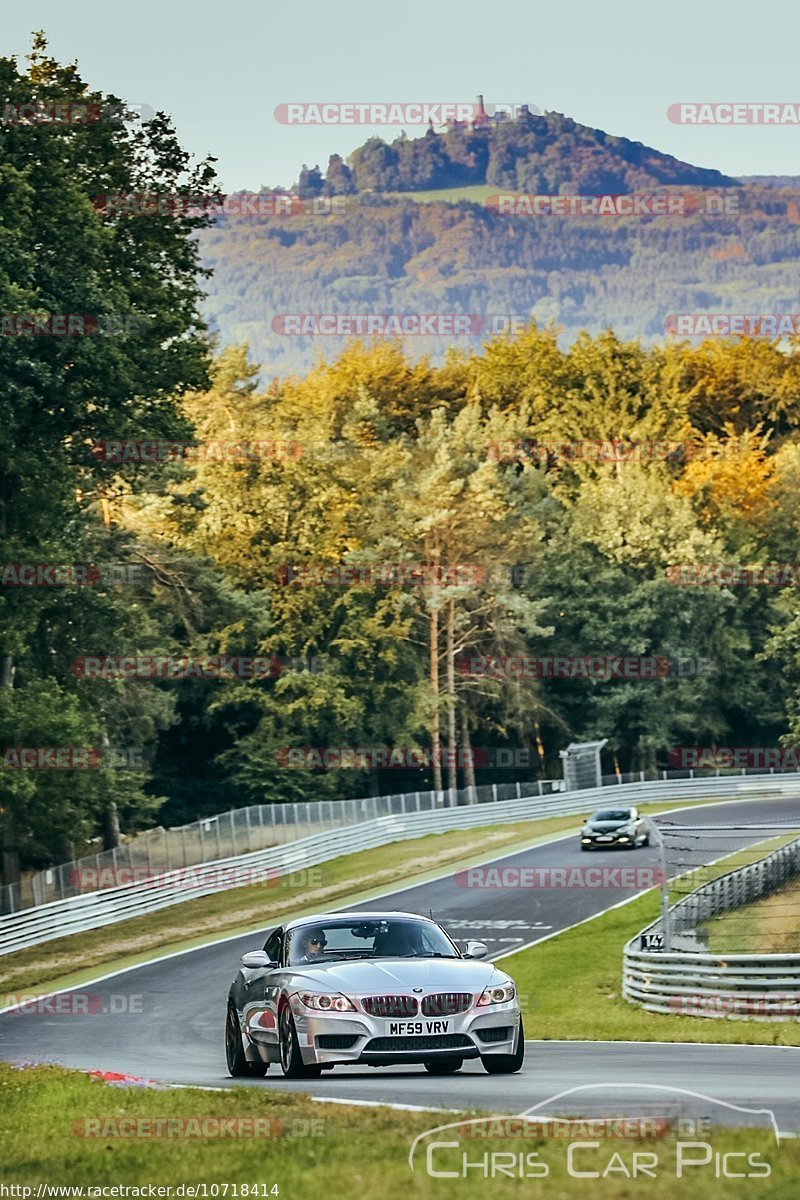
(292, 1063)
(506, 1064)
(234, 1050)
(444, 1066)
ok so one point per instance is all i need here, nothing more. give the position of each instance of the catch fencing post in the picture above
(657, 837)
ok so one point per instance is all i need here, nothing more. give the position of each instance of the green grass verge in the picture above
(770, 926)
(340, 1152)
(571, 983)
(477, 193)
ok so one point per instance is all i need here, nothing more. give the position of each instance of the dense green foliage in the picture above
(532, 153)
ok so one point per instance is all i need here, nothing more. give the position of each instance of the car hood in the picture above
(383, 976)
(606, 826)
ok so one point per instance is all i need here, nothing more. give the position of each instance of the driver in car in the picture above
(313, 943)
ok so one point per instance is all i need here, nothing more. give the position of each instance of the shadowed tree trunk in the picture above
(111, 831)
(436, 744)
(450, 668)
(469, 765)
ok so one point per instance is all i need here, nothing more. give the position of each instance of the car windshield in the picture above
(613, 814)
(334, 941)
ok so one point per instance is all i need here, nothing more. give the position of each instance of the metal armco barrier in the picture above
(244, 830)
(32, 926)
(696, 983)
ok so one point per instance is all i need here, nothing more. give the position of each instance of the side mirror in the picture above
(257, 959)
(476, 950)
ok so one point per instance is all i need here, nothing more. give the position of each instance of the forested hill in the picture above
(546, 153)
(383, 255)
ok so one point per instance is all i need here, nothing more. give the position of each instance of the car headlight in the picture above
(326, 1002)
(497, 995)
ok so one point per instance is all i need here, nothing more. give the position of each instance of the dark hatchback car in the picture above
(623, 827)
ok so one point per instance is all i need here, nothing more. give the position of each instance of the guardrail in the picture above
(243, 830)
(46, 922)
(692, 981)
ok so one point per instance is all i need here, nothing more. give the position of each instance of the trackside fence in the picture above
(686, 979)
(245, 830)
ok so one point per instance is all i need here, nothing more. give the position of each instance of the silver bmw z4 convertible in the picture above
(375, 989)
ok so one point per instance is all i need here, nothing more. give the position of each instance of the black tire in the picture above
(292, 1063)
(444, 1066)
(234, 1050)
(506, 1064)
(646, 841)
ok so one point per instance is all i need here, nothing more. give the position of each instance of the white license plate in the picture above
(606, 838)
(414, 1028)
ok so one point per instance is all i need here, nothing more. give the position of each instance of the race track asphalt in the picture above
(163, 1020)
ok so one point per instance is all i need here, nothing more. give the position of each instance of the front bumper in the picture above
(360, 1038)
(608, 841)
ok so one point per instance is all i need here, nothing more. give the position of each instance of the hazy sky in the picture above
(221, 69)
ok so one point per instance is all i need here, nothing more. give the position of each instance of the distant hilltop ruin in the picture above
(501, 114)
